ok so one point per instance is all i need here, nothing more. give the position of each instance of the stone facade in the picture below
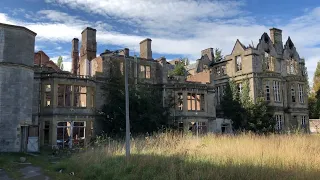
(274, 71)
(64, 104)
(16, 87)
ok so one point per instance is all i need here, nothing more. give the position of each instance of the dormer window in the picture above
(238, 63)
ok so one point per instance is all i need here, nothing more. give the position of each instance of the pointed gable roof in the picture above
(238, 43)
(289, 44)
(290, 51)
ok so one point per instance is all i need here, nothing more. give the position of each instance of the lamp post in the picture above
(127, 109)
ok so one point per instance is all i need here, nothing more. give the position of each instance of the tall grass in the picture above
(171, 156)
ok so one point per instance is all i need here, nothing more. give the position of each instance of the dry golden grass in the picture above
(168, 156)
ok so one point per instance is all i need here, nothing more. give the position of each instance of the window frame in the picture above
(301, 93)
(238, 63)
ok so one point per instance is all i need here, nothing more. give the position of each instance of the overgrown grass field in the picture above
(169, 156)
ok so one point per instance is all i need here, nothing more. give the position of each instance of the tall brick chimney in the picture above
(208, 52)
(75, 56)
(145, 49)
(276, 38)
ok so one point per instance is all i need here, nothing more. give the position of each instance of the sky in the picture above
(178, 28)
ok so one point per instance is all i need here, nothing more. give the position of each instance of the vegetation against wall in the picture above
(179, 69)
(217, 55)
(246, 114)
(147, 113)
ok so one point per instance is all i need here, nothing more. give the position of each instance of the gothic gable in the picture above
(265, 45)
(290, 51)
(238, 47)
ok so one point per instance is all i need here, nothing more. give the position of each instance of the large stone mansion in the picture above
(64, 104)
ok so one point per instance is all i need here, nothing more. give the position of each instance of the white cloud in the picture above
(67, 64)
(175, 26)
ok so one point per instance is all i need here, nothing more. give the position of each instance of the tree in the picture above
(60, 62)
(179, 69)
(231, 106)
(314, 96)
(244, 113)
(217, 54)
(147, 113)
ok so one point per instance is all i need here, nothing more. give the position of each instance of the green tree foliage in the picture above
(316, 78)
(217, 54)
(179, 69)
(60, 62)
(314, 96)
(147, 113)
(244, 113)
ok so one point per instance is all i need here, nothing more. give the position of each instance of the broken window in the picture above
(202, 126)
(148, 71)
(46, 131)
(291, 66)
(63, 134)
(239, 63)
(223, 70)
(47, 95)
(64, 130)
(293, 93)
(303, 121)
(240, 87)
(279, 122)
(145, 72)
(60, 95)
(64, 95)
(180, 126)
(276, 91)
(180, 101)
(300, 89)
(80, 96)
(218, 72)
(195, 102)
(79, 132)
(142, 72)
(267, 90)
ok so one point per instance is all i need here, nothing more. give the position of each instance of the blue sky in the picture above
(178, 28)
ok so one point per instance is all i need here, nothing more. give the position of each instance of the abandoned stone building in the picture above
(275, 72)
(65, 104)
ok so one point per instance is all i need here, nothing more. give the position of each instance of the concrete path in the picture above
(3, 175)
(28, 172)
(33, 172)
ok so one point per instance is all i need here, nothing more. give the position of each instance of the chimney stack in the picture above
(145, 49)
(276, 38)
(75, 56)
(209, 53)
(125, 52)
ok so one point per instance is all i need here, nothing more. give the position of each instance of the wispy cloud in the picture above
(175, 26)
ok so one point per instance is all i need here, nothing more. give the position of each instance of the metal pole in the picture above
(127, 109)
